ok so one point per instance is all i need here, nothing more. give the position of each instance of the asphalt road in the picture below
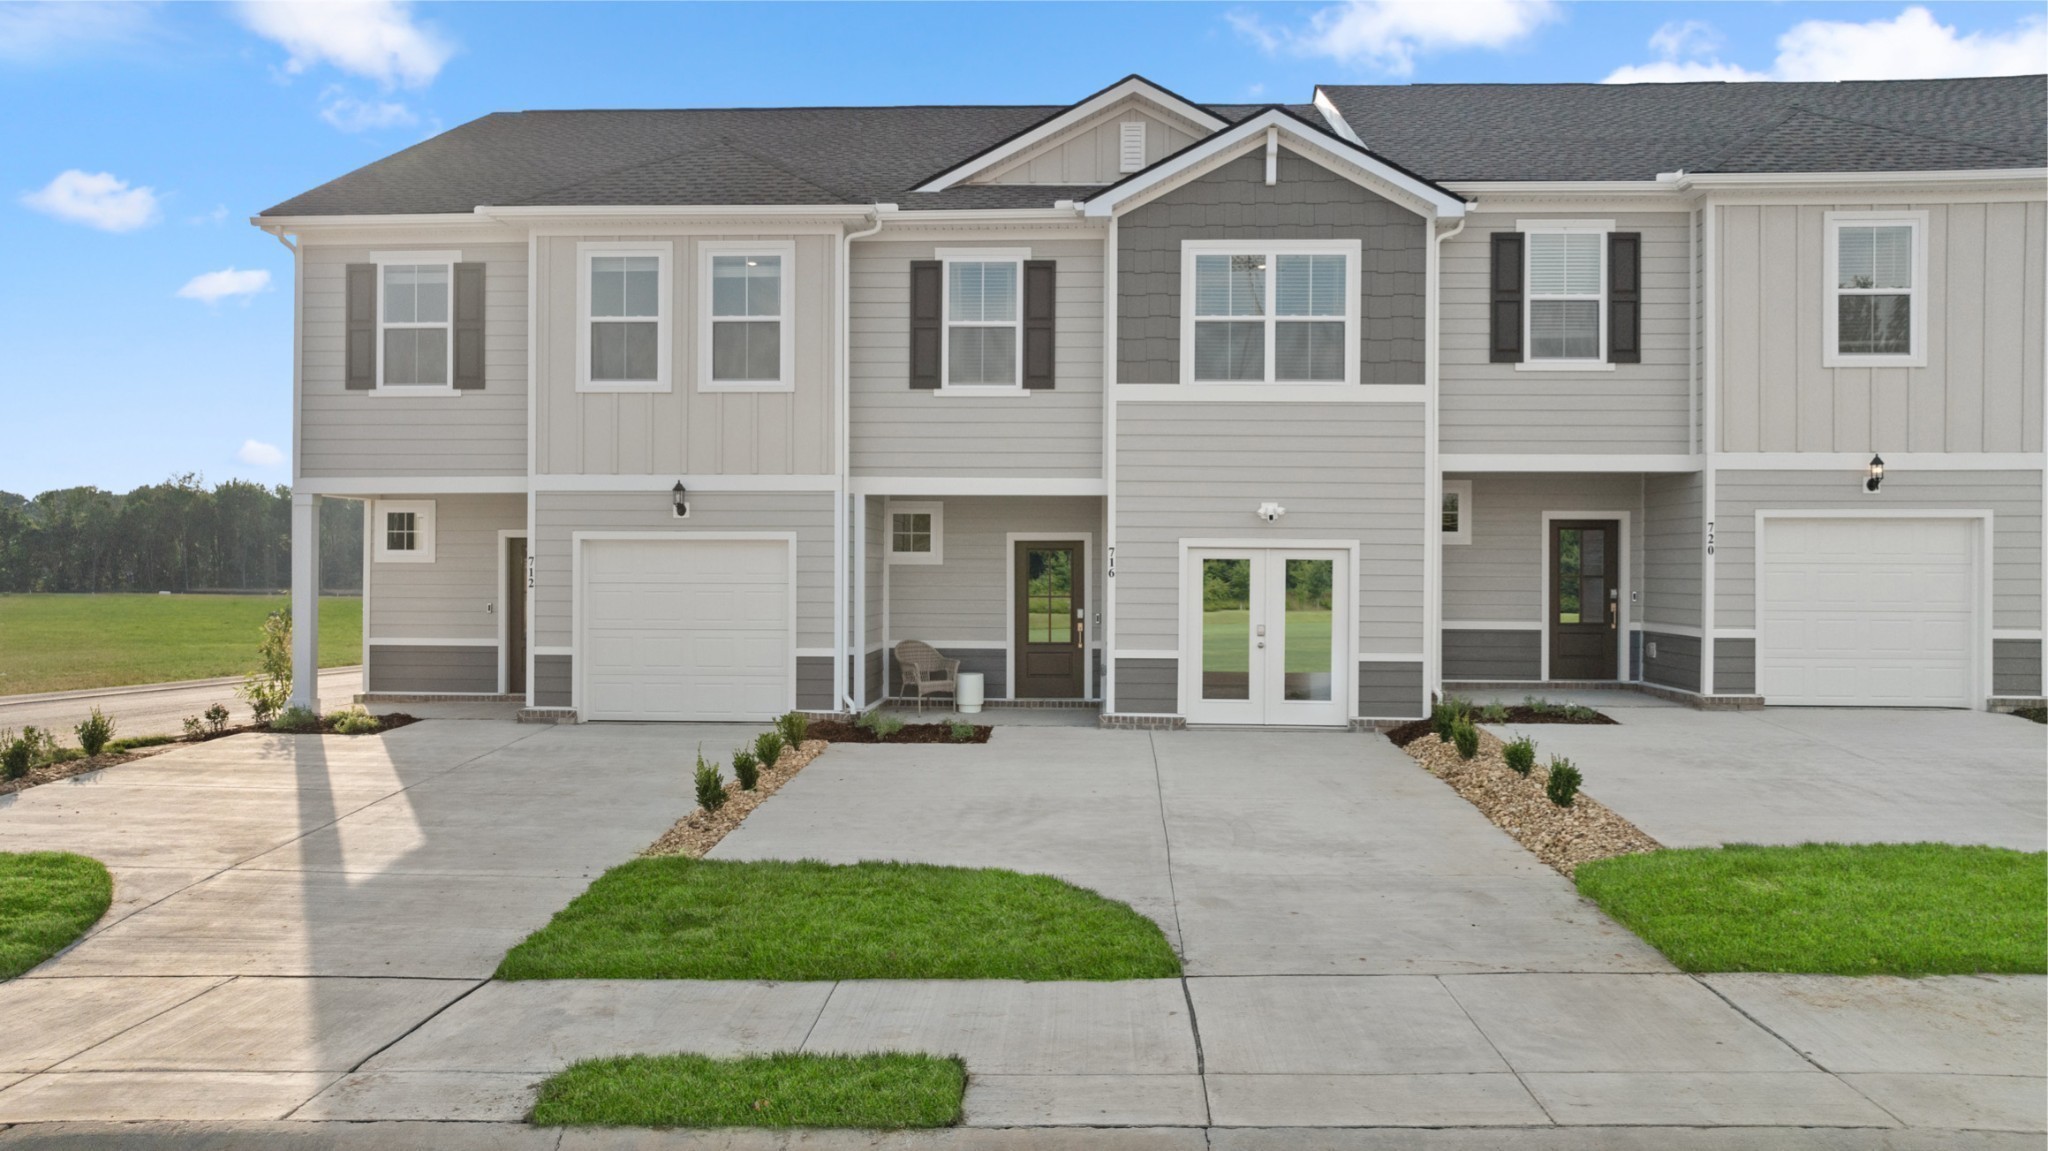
(155, 709)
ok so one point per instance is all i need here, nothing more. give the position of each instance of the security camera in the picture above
(1271, 512)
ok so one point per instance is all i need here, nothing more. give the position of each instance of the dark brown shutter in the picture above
(927, 315)
(359, 372)
(1038, 326)
(469, 326)
(1624, 297)
(1506, 320)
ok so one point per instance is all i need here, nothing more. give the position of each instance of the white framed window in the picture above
(1457, 512)
(1875, 310)
(415, 321)
(623, 310)
(917, 533)
(1269, 313)
(982, 349)
(1564, 297)
(403, 531)
(746, 341)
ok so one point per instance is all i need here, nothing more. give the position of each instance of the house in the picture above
(1195, 413)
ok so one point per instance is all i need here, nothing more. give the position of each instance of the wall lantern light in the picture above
(682, 508)
(1875, 479)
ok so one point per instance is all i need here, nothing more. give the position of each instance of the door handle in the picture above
(1613, 617)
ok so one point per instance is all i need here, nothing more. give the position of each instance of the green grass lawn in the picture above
(47, 899)
(67, 642)
(886, 1091)
(1834, 909)
(679, 918)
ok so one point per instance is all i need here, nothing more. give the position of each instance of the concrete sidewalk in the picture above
(156, 708)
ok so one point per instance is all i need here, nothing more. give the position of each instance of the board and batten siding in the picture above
(471, 433)
(2013, 498)
(685, 431)
(558, 515)
(453, 597)
(1308, 202)
(1044, 433)
(1981, 388)
(1499, 575)
(1633, 408)
(1200, 470)
(1089, 152)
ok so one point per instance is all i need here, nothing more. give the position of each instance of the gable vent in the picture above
(1131, 150)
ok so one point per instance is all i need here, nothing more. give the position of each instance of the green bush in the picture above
(296, 719)
(1495, 712)
(217, 718)
(14, 756)
(94, 733)
(884, 725)
(194, 727)
(793, 726)
(1446, 714)
(1580, 713)
(1562, 786)
(1520, 755)
(355, 721)
(768, 748)
(959, 732)
(710, 785)
(1466, 737)
(269, 687)
(746, 768)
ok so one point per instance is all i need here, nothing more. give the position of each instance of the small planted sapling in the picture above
(94, 733)
(768, 748)
(1562, 785)
(1465, 737)
(1520, 755)
(217, 718)
(710, 785)
(746, 768)
(959, 732)
(793, 726)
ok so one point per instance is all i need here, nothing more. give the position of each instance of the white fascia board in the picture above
(1688, 180)
(352, 486)
(662, 482)
(676, 211)
(1135, 86)
(1451, 462)
(1446, 206)
(1335, 116)
(436, 219)
(977, 486)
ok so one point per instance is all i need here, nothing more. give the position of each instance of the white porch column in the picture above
(305, 601)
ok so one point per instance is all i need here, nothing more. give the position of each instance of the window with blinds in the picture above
(1565, 293)
(1270, 316)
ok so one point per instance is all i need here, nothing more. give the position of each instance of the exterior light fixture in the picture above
(1875, 479)
(1271, 512)
(682, 507)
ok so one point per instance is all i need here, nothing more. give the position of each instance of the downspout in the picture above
(1433, 481)
(855, 667)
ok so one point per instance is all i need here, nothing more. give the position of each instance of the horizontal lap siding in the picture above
(1492, 655)
(1049, 433)
(463, 670)
(1673, 549)
(1981, 388)
(684, 430)
(1200, 470)
(452, 597)
(559, 514)
(1499, 575)
(1390, 690)
(1677, 662)
(1635, 408)
(1147, 686)
(477, 433)
(966, 597)
(2013, 498)
(2016, 667)
(553, 679)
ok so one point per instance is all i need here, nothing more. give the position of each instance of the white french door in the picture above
(1269, 630)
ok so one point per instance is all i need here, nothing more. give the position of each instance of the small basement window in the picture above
(916, 533)
(402, 531)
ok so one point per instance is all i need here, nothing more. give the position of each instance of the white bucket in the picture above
(970, 685)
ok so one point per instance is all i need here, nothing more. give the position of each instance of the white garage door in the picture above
(1867, 612)
(685, 629)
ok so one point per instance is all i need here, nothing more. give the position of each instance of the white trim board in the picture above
(1894, 462)
(1492, 625)
(692, 483)
(417, 641)
(1272, 393)
(976, 486)
(1568, 462)
(353, 487)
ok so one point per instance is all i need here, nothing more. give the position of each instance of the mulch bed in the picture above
(1563, 837)
(1415, 729)
(52, 772)
(700, 831)
(839, 731)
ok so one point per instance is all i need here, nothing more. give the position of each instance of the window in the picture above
(747, 338)
(623, 336)
(1269, 314)
(1457, 512)
(916, 533)
(1877, 262)
(1566, 292)
(983, 347)
(402, 531)
(415, 301)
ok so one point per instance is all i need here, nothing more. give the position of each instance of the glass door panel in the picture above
(1049, 606)
(1307, 638)
(1226, 629)
(1570, 546)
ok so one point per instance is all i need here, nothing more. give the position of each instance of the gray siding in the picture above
(455, 596)
(1674, 548)
(1493, 655)
(1734, 667)
(552, 680)
(2014, 498)
(814, 683)
(1677, 662)
(967, 597)
(878, 679)
(992, 662)
(1088, 152)
(1198, 470)
(1499, 575)
(1490, 407)
(1390, 690)
(1309, 202)
(684, 431)
(1148, 686)
(473, 433)
(432, 668)
(2016, 667)
(1981, 388)
(1044, 433)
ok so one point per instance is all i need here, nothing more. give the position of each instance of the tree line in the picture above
(177, 536)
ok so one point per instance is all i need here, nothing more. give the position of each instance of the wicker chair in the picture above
(925, 671)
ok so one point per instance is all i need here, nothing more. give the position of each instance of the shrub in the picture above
(269, 687)
(768, 748)
(296, 719)
(746, 768)
(94, 733)
(959, 732)
(14, 756)
(793, 726)
(1466, 737)
(1563, 785)
(217, 718)
(884, 725)
(1541, 706)
(354, 721)
(1446, 714)
(1580, 712)
(1520, 755)
(194, 727)
(710, 785)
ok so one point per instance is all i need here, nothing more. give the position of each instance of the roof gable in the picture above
(1072, 118)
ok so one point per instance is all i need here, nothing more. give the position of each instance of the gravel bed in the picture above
(1563, 837)
(700, 831)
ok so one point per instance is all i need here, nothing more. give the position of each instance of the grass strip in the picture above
(47, 899)
(67, 642)
(1833, 909)
(887, 1091)
(680, 918)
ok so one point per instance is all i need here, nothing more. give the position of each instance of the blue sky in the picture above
(145, 328)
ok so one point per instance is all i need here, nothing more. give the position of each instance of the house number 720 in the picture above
(1710, 537)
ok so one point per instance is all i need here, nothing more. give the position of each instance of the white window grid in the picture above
(1193, 250)
(444, 262)
(1831, 336)
(1598, 229)
(948, 259)
(402, 522)
(937, 514)
(586, 253)
(783, 251)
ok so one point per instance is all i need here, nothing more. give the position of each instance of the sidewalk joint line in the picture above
(1498, 1053)
(812, 1029)
(1180, 934)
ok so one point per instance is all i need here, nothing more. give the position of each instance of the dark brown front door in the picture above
(515, 615)
(1585, 598)
(1051, 610)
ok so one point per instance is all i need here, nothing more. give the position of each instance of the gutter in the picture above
(1433, 475)
(841, 506)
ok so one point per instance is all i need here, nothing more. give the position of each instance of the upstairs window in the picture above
(747, 336)
(414, 347)
(1874, 314)
(983, 348)
(623, 334)
(1566, 292)
(1269, 314)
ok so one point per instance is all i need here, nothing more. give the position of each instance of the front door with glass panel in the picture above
(1268, 629)
(1585, 599)
(1052, 609)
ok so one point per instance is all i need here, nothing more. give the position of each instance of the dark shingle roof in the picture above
(1637, 131)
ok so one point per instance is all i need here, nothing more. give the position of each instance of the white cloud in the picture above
(375, 39)
(256, 453)
(100, 200)
(1388, 35)
(37, 32)
(1911, 46)
(213, 287)
(352, 115)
